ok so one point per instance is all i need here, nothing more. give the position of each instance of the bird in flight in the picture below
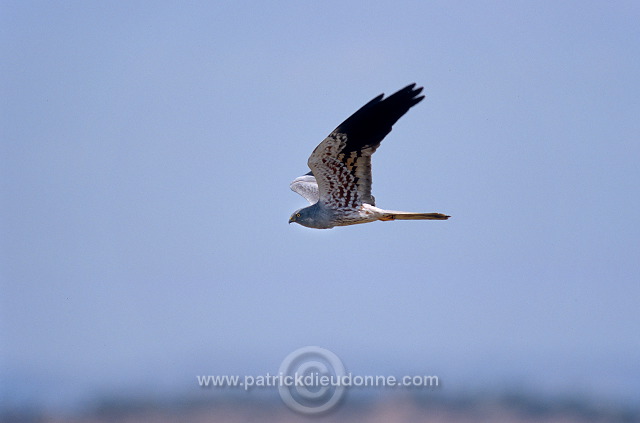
(339, 184)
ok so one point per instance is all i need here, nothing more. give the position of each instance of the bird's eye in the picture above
(297, 214)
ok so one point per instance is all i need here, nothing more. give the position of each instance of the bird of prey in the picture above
(339, 184)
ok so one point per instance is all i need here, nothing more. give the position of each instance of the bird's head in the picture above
(298, 217)
(305, 217)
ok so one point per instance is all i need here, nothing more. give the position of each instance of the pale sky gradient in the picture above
(147, 149)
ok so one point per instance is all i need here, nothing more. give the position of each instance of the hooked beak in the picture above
(291, 219)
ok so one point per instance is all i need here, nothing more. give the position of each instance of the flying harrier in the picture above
(339, 184)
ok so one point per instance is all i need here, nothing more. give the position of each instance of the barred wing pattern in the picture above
(341, 163)
(344, 179)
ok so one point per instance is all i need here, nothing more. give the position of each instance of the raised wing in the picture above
(307, 187)
(342, 162)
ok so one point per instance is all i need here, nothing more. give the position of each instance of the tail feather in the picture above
(398, 215)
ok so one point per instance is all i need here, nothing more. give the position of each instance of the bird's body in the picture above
(339, 184)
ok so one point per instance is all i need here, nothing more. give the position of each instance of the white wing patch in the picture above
(307, 187)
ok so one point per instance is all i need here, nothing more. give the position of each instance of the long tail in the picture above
(398, 215)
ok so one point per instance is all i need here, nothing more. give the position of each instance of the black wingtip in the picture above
(373, 121)
(374, 100)
(412, 88)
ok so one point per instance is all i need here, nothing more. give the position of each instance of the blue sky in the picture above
(147, 149)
